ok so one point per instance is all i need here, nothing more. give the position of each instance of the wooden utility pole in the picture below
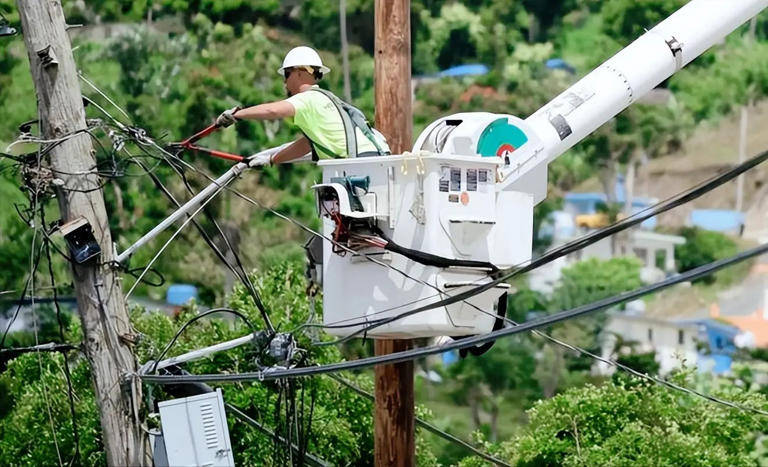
(393, 418)
(106, 327)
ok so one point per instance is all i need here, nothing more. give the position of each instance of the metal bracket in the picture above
(676, 47)
(47, 57)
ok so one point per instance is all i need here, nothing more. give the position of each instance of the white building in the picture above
(703, 343)
(673, 342)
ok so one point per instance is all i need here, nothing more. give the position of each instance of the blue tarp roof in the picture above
(559, 64)
(719, 220)
(180, 294)
(638, 201)
(472, 69)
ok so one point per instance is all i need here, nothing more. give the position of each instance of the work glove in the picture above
(265, 157)
(261, 158)
(227, 117)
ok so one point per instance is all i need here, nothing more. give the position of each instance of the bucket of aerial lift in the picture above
(447, 198)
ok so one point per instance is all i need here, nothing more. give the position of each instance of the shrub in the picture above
(703, 247)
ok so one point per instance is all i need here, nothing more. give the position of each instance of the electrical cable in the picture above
(243, 276)
(20, 301)
(33, 267)
(589, 238)
(208, 240)
(168, 242)
(151, 142)
(408, 355)
(14, 352)
(650, 378)
(241, 415)
(67, 372)
(195, 318)
(426, 425)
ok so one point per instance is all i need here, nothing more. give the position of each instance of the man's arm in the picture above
(294, 151)
(268, 111)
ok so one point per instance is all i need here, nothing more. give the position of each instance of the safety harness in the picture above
(352, 118)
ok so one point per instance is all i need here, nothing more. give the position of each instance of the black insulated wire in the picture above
(192, 320)
(426, 425)
(408, 355)
(429, 259)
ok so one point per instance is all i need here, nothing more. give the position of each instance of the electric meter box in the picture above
(195, 431)
(444, 204)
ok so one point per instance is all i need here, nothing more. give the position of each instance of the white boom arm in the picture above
(631, 73)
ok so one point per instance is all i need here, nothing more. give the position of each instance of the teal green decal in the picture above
(500, 137)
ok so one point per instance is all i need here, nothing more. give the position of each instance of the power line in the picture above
(311, 459)
(426, 425)
(271, 374)
(195, 318)
(565, 249)
(139, 135)
(653, 379)
(48, 347)
(67, 372)
(168, 242)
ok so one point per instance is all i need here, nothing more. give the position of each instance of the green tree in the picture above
(342, 431)
(593, 279)
(504, 372)
(702, 247)
(584, 282)
(626, 421)
(626, 20)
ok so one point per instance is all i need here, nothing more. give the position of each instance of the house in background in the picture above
(704, 343)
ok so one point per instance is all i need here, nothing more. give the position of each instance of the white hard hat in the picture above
(302, 56)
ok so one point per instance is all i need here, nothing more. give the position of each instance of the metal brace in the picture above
(47, 57)
(676, 47)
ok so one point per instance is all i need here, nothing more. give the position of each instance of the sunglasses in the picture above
(287, 72)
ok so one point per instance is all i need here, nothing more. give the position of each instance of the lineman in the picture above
(332, 128)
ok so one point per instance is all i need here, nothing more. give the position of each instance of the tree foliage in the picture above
(702, 247)
(342, 428)
(592, 280)
(626, 422)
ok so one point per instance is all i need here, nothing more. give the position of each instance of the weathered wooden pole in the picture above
(393, 418)
(106, 326)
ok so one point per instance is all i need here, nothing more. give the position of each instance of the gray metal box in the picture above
(195, 431)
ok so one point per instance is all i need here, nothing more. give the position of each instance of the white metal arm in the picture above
(633, 72)
(225, 179)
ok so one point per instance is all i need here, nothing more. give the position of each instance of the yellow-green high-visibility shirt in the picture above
(320, 121)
